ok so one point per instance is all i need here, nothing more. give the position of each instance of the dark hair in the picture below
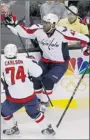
(71, 2)
(83, 5)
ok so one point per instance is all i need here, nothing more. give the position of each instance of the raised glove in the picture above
(9, 21)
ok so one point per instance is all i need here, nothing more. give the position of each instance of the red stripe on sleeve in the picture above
(29, 31)
(74, 39)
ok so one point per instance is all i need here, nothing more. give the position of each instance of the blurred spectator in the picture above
(73, 23)
(72, 3)
(55, 7)
(62, 1)
(6, 14)
(84, 10)
(35, 17)
(7, 17)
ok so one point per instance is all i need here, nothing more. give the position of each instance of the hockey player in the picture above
(53, 42)
(15, 71)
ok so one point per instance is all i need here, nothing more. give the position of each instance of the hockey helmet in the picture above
(52, 18)
(10, 50)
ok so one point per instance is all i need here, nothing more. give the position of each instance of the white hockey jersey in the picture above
(15, 73)
(54, 48)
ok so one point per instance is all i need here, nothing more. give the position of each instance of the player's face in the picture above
(46, 26)
(71, 18)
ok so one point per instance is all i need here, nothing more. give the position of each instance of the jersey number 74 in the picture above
(19, 74)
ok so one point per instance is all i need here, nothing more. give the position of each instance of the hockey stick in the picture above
(70, 100)
(23, 44)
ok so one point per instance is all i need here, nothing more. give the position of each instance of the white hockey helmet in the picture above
(10, 50)
(52, 18)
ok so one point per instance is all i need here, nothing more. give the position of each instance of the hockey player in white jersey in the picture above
(53, 41)
(15, 71)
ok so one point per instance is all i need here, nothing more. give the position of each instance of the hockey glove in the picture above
(86, 50)
(9, 21)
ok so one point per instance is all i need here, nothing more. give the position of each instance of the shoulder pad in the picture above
(36, 26)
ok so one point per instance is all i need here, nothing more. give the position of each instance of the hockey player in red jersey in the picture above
(15, 71)
(53, 41)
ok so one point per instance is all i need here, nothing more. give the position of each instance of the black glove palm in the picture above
(9, 21)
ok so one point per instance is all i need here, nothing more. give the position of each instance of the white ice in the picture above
(75, 125)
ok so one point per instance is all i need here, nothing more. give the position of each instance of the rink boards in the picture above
(65, 87)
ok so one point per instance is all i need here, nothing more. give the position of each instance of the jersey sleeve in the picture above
(34, 69)
(70, 35)
(22, 31)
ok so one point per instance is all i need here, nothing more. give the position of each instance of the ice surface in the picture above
(75, 125)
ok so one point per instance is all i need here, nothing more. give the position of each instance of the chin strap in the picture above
(51, 29)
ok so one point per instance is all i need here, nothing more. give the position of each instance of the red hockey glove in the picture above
(86, 52)
(86, 48)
